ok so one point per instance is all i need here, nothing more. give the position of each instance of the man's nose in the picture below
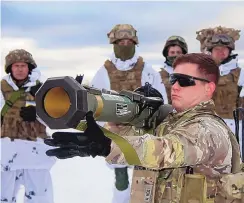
(176, 86)
(20, 68)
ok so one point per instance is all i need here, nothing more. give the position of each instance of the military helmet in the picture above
(221, 40)
(175, 40)
(122, 31)
(18, 55)
(211, 37)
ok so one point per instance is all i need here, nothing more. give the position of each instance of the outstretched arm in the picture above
(192, 144)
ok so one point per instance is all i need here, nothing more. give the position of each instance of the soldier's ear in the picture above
(210, 88)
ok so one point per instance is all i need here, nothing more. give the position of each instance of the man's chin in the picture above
(20, 78)
(219, 61)
(177, 105)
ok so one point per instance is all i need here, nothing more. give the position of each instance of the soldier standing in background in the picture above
(125, 70)
(229, 95)
(23, 159)
(174, 46)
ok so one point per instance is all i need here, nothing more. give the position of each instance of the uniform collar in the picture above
(206, 107)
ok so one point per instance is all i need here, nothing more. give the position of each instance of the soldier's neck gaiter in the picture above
(124, 52)
(170, 60)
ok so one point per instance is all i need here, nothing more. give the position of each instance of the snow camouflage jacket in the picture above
(22, 148)
(196, 137)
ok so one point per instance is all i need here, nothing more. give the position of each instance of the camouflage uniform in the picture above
(117, 74)
(196, 137)
(13, 125)
(127, 80)
(23, 160)
(229, 94)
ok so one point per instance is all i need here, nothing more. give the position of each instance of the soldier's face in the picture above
(186, 97)
(125, 42)
(174, 50)
(20, 70)
(220, 53)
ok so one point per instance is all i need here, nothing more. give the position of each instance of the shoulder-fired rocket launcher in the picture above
(62, 103)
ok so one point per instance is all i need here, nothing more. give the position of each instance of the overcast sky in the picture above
(69, 38)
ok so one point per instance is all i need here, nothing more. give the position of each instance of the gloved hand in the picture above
(91, 142)
(34, 89)
(28, 113)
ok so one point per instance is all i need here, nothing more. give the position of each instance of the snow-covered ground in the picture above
(83, 180)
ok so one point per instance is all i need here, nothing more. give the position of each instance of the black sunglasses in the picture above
(184, 80)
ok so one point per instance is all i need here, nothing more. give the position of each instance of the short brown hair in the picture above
(206, 65)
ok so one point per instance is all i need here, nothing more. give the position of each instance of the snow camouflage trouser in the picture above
(37, 183)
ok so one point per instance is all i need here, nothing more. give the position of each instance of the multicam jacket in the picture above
(196, 138)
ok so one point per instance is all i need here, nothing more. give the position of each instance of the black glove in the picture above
(91, 142)
(28, 113)
(34, 89)
(79, 78)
